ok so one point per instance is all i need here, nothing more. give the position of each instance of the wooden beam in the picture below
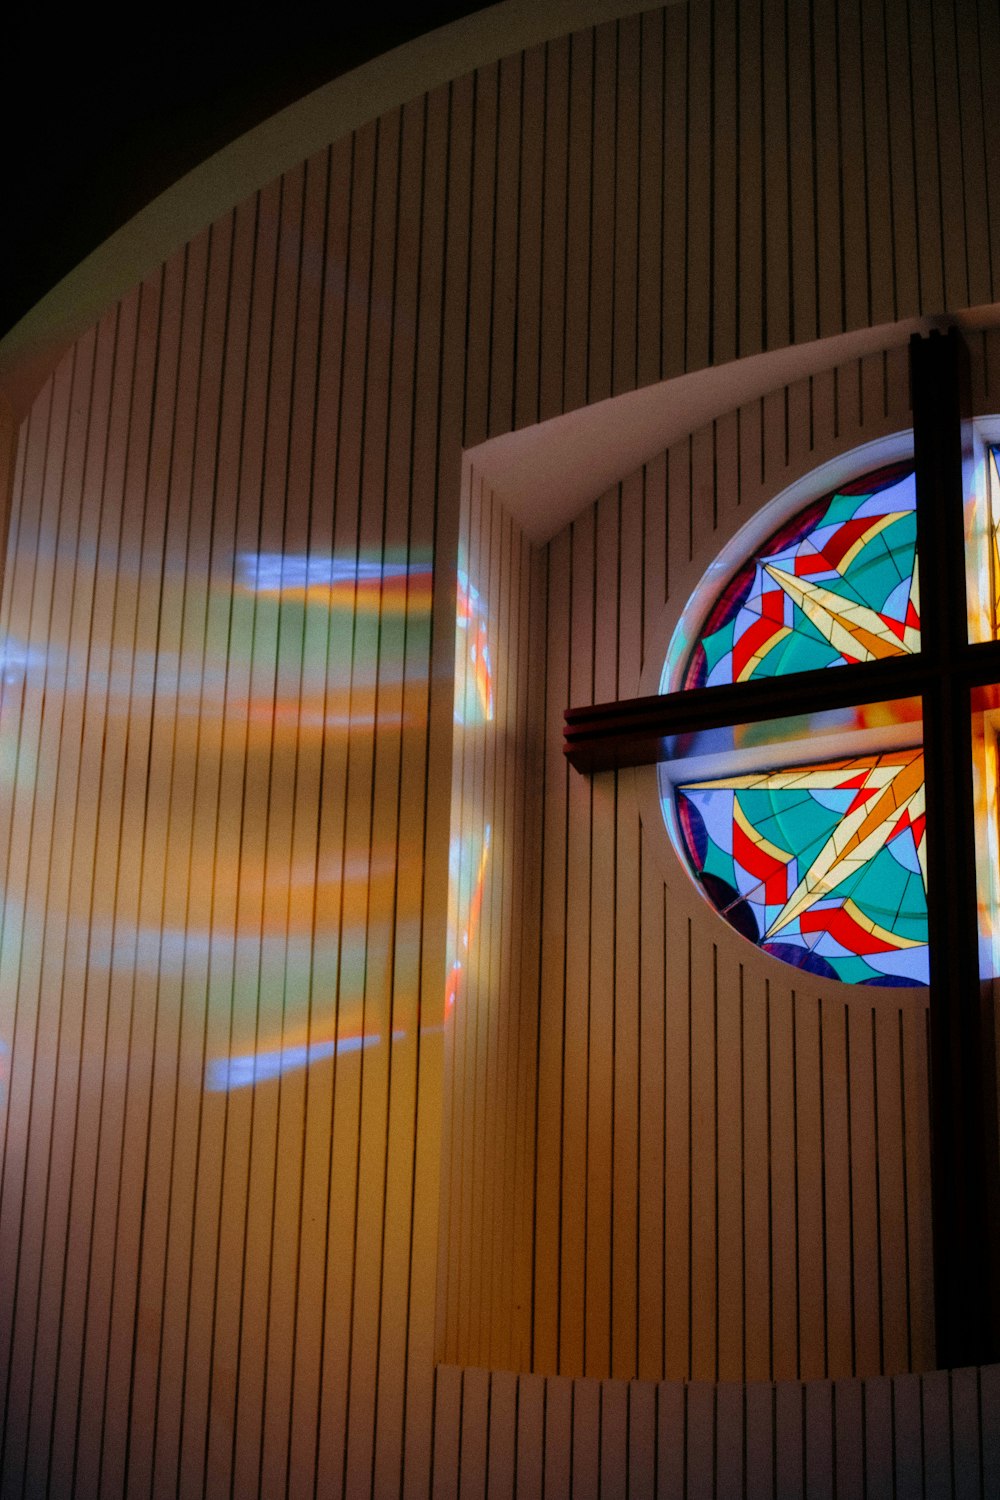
(640, 731)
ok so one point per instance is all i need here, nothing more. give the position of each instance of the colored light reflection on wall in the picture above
(473, 667)
(328, 990)
(257, 1067)
(271, 684)
(470, 839)
(392, 583)
(467, 879)
(336, 1025)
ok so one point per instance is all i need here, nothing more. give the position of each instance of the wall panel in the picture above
(908, 1437)
(490, 1018)
(225, 746)
(224, 917)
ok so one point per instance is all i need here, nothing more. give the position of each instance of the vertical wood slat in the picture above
(649, 272)
(575, 1166)
(585, 1444)
(159, 989)
(532, 164)
(809, 1167)
(485, 1254)
(724, 205)
(529, 1032)
(188, 1299)
(855, 146)
(878, 1465)
(123, 799)
(674, 192)
(576, 277)
(548, 1119)
(872, 61)
(75, 869)
(400, 1241)
(627, 139)
(320, 775)
(557, 1440)
(602, 998)
(281, 669)
(907, 282)
(503, 1434)
(600, 169)
(551, 376)
(35, 1185)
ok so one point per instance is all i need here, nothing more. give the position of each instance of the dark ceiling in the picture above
(105, 122)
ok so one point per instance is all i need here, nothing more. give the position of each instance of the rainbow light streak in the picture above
(141, 676)
(469, 929)
(477, 706)
(296, 590)
(350, 582)
(173, 951)
(226, 1073)
(470, 845)
(18, 659)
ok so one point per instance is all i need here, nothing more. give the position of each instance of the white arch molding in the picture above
(29, 350)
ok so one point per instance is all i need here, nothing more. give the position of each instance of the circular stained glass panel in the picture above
(820, 864)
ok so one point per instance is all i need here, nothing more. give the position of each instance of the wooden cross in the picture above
(952, 677)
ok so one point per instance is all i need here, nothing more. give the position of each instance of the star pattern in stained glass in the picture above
(836, 584)
(820, 865)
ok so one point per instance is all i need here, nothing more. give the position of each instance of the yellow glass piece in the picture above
(898, 782)
(852, 629)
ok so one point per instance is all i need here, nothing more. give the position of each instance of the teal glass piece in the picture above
(835, 584)
(820, 865)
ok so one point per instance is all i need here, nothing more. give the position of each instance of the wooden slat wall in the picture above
(224, 826)
(910, 1436)
(484, 1300)
(226, 812)
(702, 182)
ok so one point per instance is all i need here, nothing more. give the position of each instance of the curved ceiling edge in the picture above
(228, 177)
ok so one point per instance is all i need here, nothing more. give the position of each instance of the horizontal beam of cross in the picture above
(639, 731)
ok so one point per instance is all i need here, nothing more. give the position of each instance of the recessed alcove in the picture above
(694, 1163)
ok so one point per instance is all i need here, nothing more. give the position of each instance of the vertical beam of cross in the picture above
(964, 1167)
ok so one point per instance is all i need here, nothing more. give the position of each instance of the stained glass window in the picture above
(820, 865)
(837, 583)
(818, 862)
(993, 488)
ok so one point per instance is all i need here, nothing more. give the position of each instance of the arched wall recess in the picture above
(744, 1066)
